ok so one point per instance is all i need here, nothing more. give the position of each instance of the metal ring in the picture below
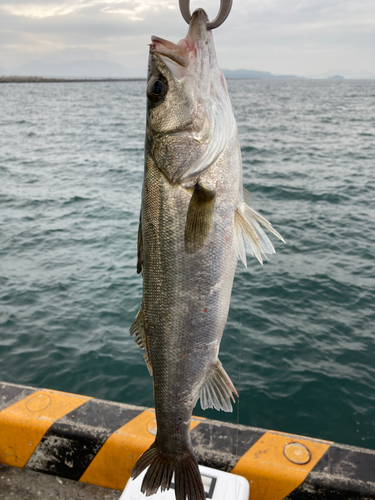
(225, 6)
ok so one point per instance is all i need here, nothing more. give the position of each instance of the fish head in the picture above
(189, 114)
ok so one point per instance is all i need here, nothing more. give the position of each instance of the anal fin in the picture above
(138, 329)
(199, 218)
(218, 390)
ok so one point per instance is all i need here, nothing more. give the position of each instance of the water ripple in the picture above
(299, 339)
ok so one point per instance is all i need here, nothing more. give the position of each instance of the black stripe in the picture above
(220, 445)
(71, 443)
(11, 394)
(342, 473)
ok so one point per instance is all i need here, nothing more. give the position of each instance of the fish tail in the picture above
(187, 479)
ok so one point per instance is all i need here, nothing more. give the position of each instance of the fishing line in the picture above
(239, 383)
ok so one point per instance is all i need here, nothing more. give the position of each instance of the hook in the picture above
(225, 6)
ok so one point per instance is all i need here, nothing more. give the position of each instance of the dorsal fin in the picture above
(248, 233)
(247, 196)
(218, 390)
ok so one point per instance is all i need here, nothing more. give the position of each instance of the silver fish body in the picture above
(192, 227)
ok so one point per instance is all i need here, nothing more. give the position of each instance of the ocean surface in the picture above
(299, 343)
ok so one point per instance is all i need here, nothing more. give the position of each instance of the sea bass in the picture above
(193, 225)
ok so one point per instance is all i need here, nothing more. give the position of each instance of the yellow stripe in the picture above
(113, 463)
(23, 425)
(270, 474)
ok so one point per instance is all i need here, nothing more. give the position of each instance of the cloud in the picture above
(280, 36)
(133, 10)
(86, 16)
(39, 10)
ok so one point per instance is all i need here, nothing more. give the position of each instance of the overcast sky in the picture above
(298, 37)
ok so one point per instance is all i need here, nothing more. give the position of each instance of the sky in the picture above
(300, 37)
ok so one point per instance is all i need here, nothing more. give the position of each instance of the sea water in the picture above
(299, 343)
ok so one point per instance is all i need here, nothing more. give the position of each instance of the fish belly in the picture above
(185, 296)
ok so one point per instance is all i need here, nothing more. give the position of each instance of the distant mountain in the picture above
(87, 67)
(249, 73)
(347, 74)
(74, 69)
(335, 77)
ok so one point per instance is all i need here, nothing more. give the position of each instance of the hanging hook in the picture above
(225, 6)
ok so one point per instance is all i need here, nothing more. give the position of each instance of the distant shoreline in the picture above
(39, 79)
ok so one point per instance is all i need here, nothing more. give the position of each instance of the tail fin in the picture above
(187, 479)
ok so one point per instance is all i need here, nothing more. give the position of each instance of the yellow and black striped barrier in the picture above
(98, 442)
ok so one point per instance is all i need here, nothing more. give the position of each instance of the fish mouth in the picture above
(177, 53)
(186, 49)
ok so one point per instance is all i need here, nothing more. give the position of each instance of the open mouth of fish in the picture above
(185, 50)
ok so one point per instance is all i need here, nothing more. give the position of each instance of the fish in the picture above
(195, 223)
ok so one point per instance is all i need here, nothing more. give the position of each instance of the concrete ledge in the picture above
(24, 484)
(98, 442)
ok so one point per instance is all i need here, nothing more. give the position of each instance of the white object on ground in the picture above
(218, 485)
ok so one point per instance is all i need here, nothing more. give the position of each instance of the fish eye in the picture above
(156, 89)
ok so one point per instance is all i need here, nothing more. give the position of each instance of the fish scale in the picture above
(192, 227)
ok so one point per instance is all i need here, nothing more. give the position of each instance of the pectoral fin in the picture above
(199, 218)
(138, 329)
(218, 389)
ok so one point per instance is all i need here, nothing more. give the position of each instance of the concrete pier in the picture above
(60, 440)
(24, 484)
